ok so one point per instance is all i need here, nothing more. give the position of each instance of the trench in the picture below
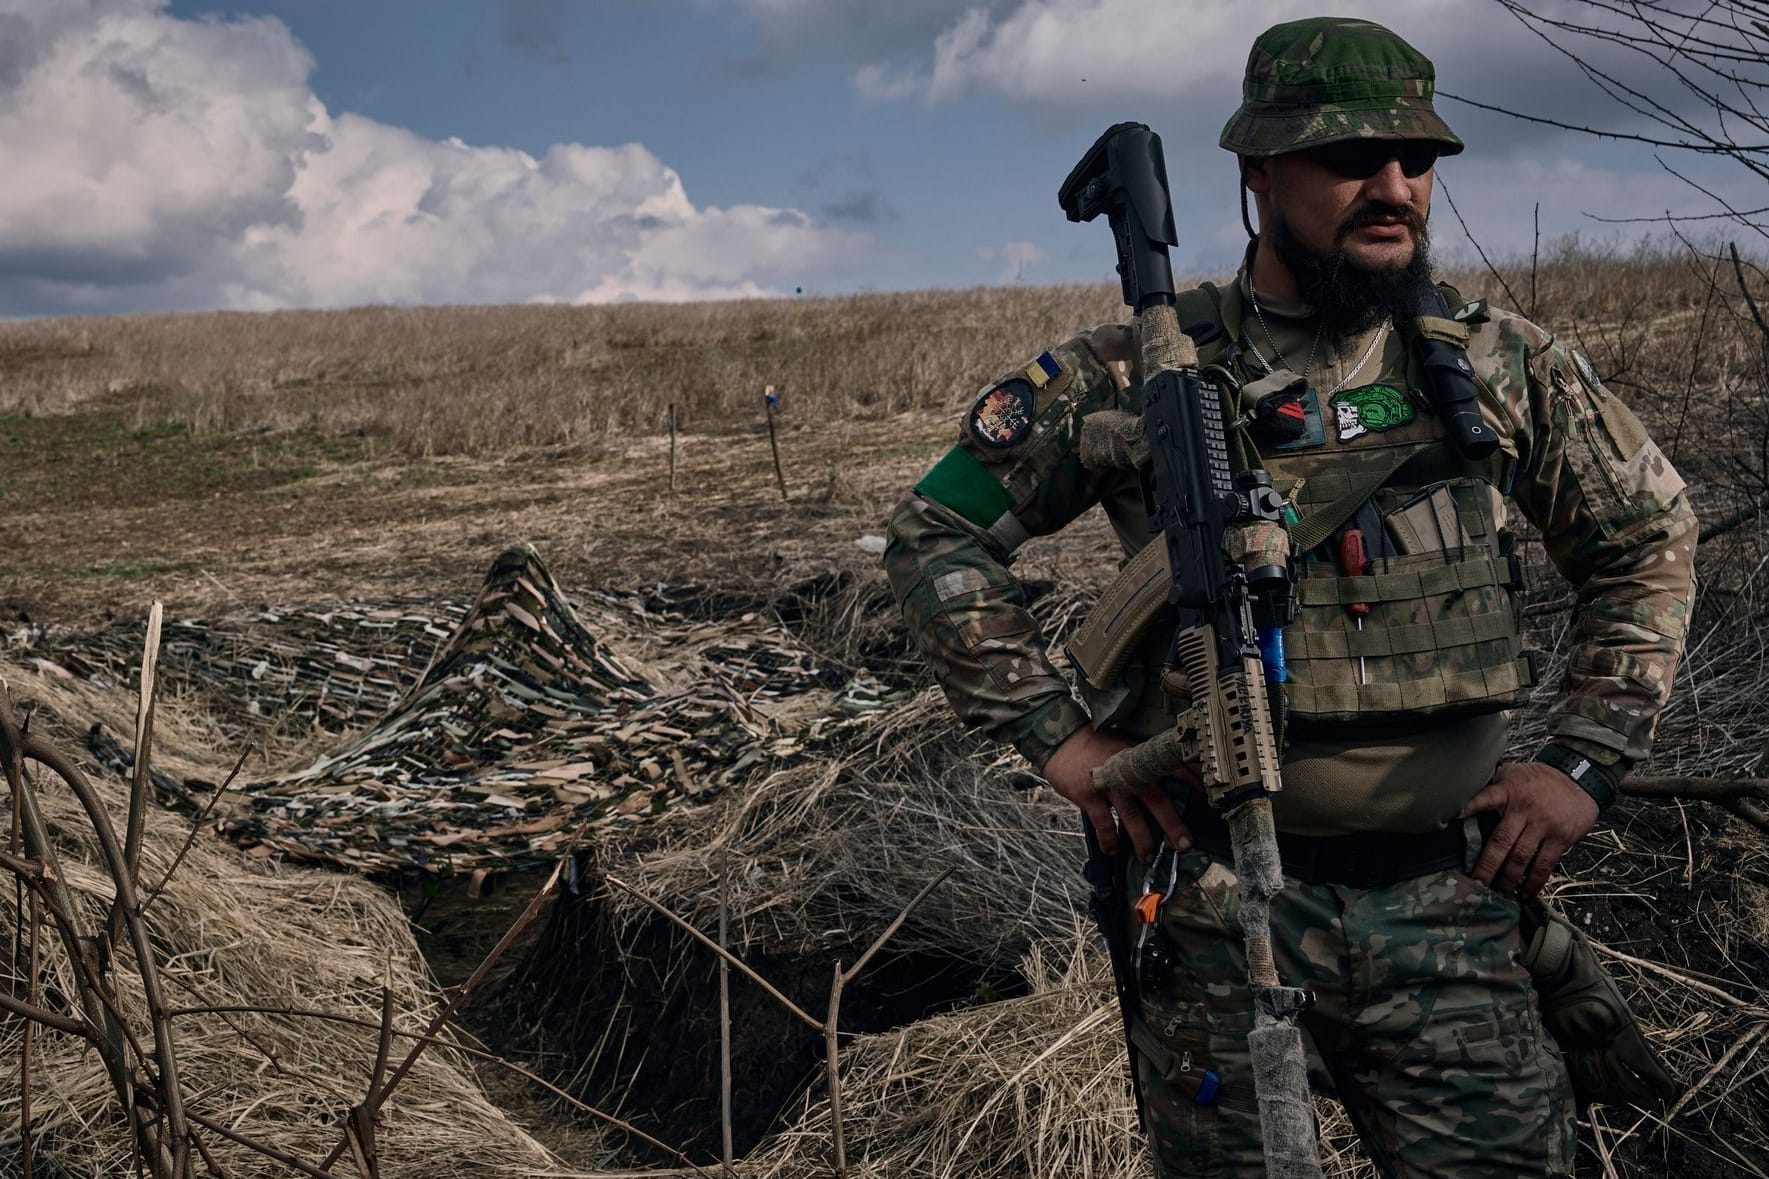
(627, 1019)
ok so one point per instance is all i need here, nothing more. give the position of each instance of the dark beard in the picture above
(1350, 299)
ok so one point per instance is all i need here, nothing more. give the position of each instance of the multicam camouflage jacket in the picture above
(1574, 460)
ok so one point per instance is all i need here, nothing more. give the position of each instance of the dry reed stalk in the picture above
(844, 978)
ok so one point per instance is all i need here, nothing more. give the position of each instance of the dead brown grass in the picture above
(489, 381)
(234, 932)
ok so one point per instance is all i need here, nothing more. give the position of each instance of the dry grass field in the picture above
(224, 462)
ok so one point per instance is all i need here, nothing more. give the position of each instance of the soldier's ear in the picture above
(1256, 174)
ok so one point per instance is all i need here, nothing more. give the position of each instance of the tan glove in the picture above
(1610, 1061)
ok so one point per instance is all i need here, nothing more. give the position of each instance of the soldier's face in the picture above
(1377, 220)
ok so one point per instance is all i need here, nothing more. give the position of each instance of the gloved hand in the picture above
(1610, 1061)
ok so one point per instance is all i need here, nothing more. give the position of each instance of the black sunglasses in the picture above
(1360, 159)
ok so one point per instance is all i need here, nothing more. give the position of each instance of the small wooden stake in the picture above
(725, 1009)
(672, 448)
(773, 441)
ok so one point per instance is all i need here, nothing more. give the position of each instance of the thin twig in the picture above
(521, 923)
(26, 869)
(105, 1028)
(1719, 1066)
(774, 442)
(1725, 996)
(1535, 254)
(832, 1072)
(209, 1160)
(24, 1056)
(1748, 798)
(831, 1053)
(359, 1123)
(1469, 233)
(1744, 289)
(146, 965)
(452, 1046)
(263, 1148)
(141, 782)
(810, 1021)
(195, 827)
(894, 926)
(37, 1013)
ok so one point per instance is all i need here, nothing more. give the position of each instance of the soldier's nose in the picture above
(1389, 185)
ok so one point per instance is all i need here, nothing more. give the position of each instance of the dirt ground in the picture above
(102, 518)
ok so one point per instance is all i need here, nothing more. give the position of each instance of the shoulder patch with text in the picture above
(1359, 411)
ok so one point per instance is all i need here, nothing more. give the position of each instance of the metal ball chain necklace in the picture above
(1278, 356)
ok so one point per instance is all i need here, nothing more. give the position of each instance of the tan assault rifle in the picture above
(1226, 736)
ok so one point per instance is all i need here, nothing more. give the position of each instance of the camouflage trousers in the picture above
(1425, 1026)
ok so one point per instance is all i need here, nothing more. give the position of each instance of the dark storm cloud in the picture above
(845, 188)
(16, 50)
(853, 32)
(864, 207)
(1535, 70)
(535, 30)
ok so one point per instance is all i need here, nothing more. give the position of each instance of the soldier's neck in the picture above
(1269, 274)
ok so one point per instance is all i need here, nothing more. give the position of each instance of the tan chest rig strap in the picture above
(1443, 633)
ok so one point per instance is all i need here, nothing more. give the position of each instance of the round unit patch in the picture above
(1002, 416)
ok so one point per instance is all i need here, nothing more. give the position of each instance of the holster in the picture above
(1609, 1059)
(1108, 902)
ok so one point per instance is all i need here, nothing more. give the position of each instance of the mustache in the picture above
(1371, 214)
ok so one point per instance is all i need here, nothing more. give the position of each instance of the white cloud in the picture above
(1013, 260)
(888, 84)
(165, 162)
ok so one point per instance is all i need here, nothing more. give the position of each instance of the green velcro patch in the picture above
(961, 482)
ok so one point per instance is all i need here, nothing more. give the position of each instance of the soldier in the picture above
(1412, 852)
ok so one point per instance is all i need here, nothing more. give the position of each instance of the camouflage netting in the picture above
(522, 729)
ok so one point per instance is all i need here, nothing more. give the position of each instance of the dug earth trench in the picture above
(627, 1019)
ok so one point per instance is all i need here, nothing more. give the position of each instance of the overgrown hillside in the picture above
(317, 497)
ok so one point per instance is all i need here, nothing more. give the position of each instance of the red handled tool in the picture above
(1354, 561)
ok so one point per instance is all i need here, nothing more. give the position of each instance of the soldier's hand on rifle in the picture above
(1067, 772)
(1542, 812)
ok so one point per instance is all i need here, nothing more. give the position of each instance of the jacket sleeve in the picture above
(1617, 524)
(1015, 473)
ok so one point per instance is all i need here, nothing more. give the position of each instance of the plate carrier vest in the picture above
(1443, 635)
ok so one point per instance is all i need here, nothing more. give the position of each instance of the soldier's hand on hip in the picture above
(1068, 772)
(1542, 812)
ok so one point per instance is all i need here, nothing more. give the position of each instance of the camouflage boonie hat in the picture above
(1331, 78)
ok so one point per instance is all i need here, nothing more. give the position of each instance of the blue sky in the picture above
(273, 153)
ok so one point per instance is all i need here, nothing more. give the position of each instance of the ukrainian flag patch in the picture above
(1043, 371)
